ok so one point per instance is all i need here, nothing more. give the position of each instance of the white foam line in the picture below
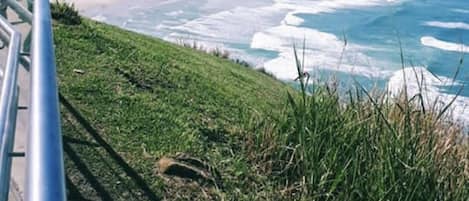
(448, 25)
(304, 6)
(174, 13)
(284, 66)
(293, 20)
(236, 25)
(448, 46)
(314, 7)
(100, 18)
(460, 10)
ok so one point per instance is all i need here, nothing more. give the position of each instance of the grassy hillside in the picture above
(128, 100)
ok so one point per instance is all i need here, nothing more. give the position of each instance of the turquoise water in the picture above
(382, 27)
(354, 40)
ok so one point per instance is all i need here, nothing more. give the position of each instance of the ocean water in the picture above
(359, 40)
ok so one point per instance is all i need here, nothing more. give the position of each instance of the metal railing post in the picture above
(22, 12)
(8, 106)
(45, 180)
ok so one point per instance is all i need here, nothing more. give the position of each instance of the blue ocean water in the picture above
(383, 26)
(353, 40)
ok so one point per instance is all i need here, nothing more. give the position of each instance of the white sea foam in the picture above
(324, 5)
(236, 25)
(460, 10)
(293, 20)
(420, 80)
(217, 5)
(284, 66)
(174, 13)
(322, 51)
(444, 45)
(99, 18)
(448, 25)
(168, 24)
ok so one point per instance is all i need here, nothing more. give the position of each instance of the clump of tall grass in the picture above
(65, 13)
(372, 147)
(220, 53)
(217, 52)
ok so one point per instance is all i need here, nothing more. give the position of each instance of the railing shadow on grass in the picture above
(110, 153)
(74, 191)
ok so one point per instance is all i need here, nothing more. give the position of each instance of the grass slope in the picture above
(140, 98)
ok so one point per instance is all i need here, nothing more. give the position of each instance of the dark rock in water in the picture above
(187, 167)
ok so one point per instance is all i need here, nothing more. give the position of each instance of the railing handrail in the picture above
(8, 106)
(45, 177)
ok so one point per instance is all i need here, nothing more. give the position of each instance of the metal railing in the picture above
(8, 106)
(45, 178)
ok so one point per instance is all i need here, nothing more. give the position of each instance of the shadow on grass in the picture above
(119, 180)
(74, 192)
(139, 84)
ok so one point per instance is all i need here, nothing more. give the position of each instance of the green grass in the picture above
(140, 98)
(372, 147)
(128, 99)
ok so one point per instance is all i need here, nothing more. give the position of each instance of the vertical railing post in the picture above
(22, 12)
(8, 106)
(45, 180)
